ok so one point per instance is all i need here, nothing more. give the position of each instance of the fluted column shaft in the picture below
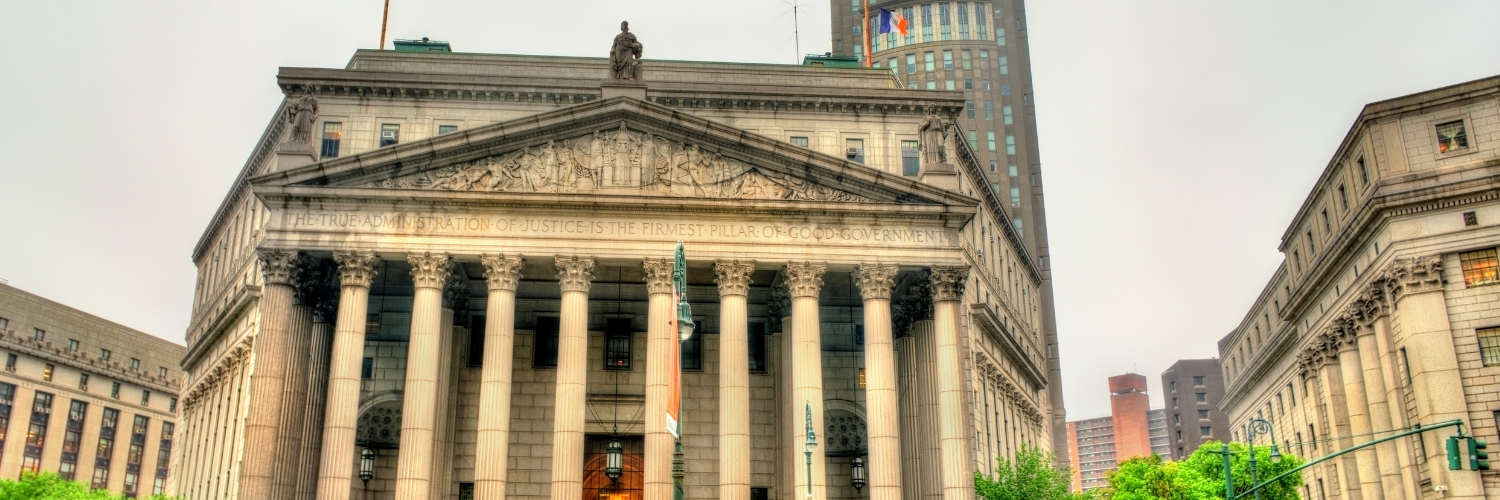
(423, 359)
(492, 451)
(947, 284)
(882, 405)
(805, 283)
(575, 275)
(1393, 409)
(661, 345)
(1380, 414)
(733, 278)
(294, 399)
(336, 469)
(1368, 464)
(929, 434)
(1331, 389)
(442, 427)
(319, 348)
(281, 269)
(911, 464)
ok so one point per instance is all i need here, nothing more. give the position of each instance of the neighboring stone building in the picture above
(982, 49)
(90, 399)
(472, 277)
(1132, 429)
(1384, 313)
(1192, 390)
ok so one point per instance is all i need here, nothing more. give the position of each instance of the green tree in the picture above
(1031, 477)
(1201, 476)
(1207, 462)
(50, 486)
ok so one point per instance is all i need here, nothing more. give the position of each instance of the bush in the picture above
(50, 486)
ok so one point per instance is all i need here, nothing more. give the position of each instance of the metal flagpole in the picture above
(866, 30)
(383, 18)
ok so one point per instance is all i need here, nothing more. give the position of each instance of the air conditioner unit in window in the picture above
(853, 152)
(388, 135)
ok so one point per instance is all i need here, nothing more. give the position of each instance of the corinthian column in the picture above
(660, 342)
(875, 283)
(574, 275)
(356, 271)
(294, 389)
(429, 273)
(733, 277)
(804, 282)
(281, 269)
(319, 347)
(1353, 373)
(1374, 344)
(492, 452)
(947, 285)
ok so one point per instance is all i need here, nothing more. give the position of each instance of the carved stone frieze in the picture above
(733, 277)
(875, 281)
(502, 272)
(429, 270)
(623, 161)
(456, 289)
(575, 274)
(356, 268)
(280, 267)
(805, 279)
(658, 275)
(947, 282)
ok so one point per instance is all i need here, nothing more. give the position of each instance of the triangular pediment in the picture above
(616, 147)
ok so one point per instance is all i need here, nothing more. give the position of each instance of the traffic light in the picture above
(1454, 461)
(1479, 459)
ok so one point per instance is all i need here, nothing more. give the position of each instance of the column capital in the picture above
(502, 272)
(805, 279)
(356, 268)
(1344, 331)
(318, 284)
(429, 270)
(733, 277)
(1370, 305)
(575, 274)
(658, 275)
(947, 282)
(280, 267)
(1414, 275)
(875, 281)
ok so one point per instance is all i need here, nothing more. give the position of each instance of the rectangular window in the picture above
(101, 478)
(972, 139)
(799, 141)
(545, 353)
(757, 345)
(963, 20)
(145, 398)
(1343, 198)
(1452, 137)
(945, 21)
(172, 405)
(36, 433)
(1200, 396)
(1489, 346)
(164, 454)
(444, 129)
(10, 362)
(984, 25)
(948, 85)
(617, 343)
(911, 34)
(854, 150)
(390, 134)
(947, 59)
(72, 345)
(1202, 414)
(1364, 175)
(1015, 196)
(969, 106)
(135, 364)
(38, 334)
(929, 63)
(114, 390)
(891, 63)
(1005, 89)
(47, 372)
(1005, 112)
(1004, 65)
(999, 36)
(991, 136)
(1197, 380)
(968, 58)
(1480, 267)
(333, 135)
(1312, 245)
(692, 353)
(83, 382)
(1327, 223)
(1010, 144)
(969, 85)
(989, 110)
(1205, 431)
(367, 368)
(911, 64)
(910, 158)
(104, 354)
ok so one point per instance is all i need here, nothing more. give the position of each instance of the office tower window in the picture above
(545, 350)
(72, 438)
(83, 382)
(757, 345)
(135, 364)
(72, 345)
(911, 64)
(947, 59)
(1200, 396)
(969, 84)
(161, 372)
(799, 141)
(134, 458)
(969, 108)
(1205, 431)
(1010, 144)
(1197, 380)
(367, 368)
(36, 432)
(967, 56)
(972, 139)
(172, 405)
(38, 334)
(1452, 137)
(1364, 174)
(926, 22)
(1004, 65)
(617, 343)
(104, 453)
(4, 324)
(104, 354)
(911, 158)
(991, 138)
(929, 62)
(1012, 170)
(963, 20)
(999, 36)
(444, 129)
(948, 85)
(692, 353)
(993, 166)
(1005, 112)
(945, 21)
(1489, 346)
(114, 390)
(145, 398)
(1015, 196)
(333, 135)
(1004, 89)
(390, 133)
(1202, 414)
(854, 150)
(911, 34)
(47, 372)
(931, 85)
(891, 63)
(10, 362)
(7, 400)
(163, 457)
(989, 110)
(1480, 267)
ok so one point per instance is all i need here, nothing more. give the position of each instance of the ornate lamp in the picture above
(857, 473)
(366, 465)
(614, 462)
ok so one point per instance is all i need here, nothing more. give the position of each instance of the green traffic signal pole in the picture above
(1228, 481)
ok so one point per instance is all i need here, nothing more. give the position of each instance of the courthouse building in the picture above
(87, 398)
(1385, 314)
(467, 282)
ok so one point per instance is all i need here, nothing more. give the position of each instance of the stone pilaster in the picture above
(805, 282)
(661, 344)
(733, 277)
(336, 470)
(574, 275)
(875, 284)
(947, 287)
(492, 451)
(281, 270)
(429, 272)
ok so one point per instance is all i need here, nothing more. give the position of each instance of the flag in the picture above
(890, 22)
(674, 398)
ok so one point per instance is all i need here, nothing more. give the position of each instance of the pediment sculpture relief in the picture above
(620, 161)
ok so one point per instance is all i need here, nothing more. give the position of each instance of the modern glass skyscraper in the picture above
(980, 48)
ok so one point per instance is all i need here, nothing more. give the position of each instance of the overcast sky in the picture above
(1178, 136)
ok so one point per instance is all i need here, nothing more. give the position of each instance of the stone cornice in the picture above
(991, 200)
(87, 362)
(201, 340)
(212, 377)
(992, 373)
(986, 319)
(267, 143)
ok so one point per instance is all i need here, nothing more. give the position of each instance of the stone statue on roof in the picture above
(934, 136)
(625, 55)
(302, 114)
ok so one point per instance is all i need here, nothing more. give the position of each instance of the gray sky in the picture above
(1178, 136)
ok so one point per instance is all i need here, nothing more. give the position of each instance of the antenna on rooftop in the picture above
(383, 18)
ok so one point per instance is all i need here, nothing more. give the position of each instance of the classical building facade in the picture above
(87, 398)
(1383, 315)
(461, 263)
(1193, 389)
(1132, 429)
(979, 48)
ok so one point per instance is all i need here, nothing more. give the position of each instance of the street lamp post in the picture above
(1257, 426)
(812, 442)
(684, 332)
